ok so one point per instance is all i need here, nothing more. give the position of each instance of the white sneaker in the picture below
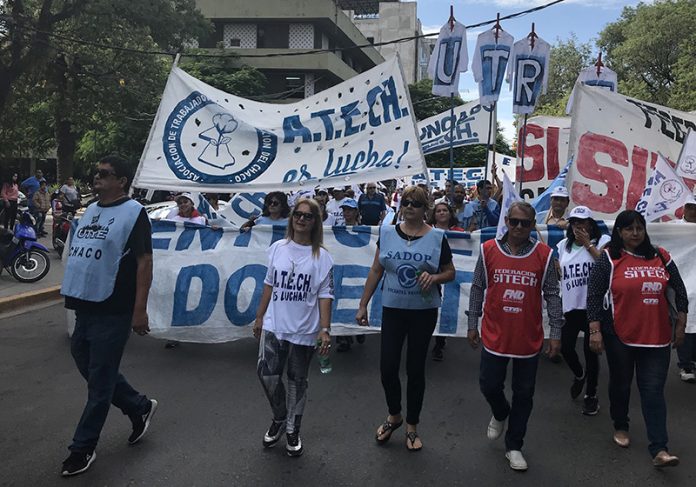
(495, 428)
(687, 375)
(517, 461)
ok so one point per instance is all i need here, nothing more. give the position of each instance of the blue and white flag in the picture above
(449, 58)
(510, 195)
(664, 194)
(686, 166)
(489, 64)
(542, 203)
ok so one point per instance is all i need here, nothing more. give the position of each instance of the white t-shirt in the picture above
(445, 76)
(607, 79)
(298, 280)
(175, 217)
(333, 207)
(575, 272)
(528, 74)
(489, 64)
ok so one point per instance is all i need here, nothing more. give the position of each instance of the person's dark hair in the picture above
(7, 179)
(595, 232)
(624, 219)
(453, 221)
(481, 183)
(122, 168)
(280, 196)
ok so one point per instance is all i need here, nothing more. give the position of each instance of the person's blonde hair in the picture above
(317, 233)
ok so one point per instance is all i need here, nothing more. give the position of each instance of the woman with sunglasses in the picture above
(414, 260)
(443, 217)
(275, 211)
(293, 316)
(577, 254)
(636, 330)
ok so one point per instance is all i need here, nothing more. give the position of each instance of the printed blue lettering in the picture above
(234, 314)
(210, 285)
(292, 127)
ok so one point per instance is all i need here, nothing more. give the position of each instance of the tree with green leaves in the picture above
(652, 48)
(426, 105)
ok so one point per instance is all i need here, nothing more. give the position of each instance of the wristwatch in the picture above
(327, 330)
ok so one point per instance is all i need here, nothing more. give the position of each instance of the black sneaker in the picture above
(577, 386)
(590, 406)
(294, 446)
(343, 344)
(360, 339)
(77, 462)
(141, 423)
(275, 431)
(438, 356)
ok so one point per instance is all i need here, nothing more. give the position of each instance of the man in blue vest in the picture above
(107, 279)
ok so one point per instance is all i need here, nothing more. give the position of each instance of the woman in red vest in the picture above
(636, 330)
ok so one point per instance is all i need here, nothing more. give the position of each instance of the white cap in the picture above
(185, 195)
(580, 212)
(560, 191)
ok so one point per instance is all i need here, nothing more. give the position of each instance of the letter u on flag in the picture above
(664, 194)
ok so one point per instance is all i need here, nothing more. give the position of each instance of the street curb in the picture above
(12, 303)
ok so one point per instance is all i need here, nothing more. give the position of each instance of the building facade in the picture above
(264, 32)
(384, 21)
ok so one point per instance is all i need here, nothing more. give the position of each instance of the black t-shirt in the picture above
(122, 300)
(445, 251)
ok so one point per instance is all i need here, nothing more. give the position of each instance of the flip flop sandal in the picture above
(411, 437)
(387, 429)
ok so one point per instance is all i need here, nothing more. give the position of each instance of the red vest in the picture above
(512, 324)
(641, 310)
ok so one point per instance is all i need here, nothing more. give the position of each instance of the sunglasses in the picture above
(301, 215)
(104, 173)
(414, 204)
(517, 221)
(273, 203)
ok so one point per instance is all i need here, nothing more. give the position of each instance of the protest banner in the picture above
(204, 139)
(545, 153)
(505, 164)
(207, 283)
(470, 127)
(664, 194)
(467, 176)
(616, 140)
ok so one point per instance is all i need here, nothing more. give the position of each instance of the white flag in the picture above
(686, 166)
(510, 195)
(664, 194)
(449, 58)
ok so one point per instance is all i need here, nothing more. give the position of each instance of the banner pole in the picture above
(523, 142)
(488, 144)
(451, 148)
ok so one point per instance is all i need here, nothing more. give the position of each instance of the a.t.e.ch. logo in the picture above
(203, 142)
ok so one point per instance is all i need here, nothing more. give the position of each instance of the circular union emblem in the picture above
(407, 275)
(204, 143)
(671, 190)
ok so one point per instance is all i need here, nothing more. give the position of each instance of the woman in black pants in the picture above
(8, 200)
(414, 259)
(576, 254)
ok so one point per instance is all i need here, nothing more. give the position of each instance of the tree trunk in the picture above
(66, 143)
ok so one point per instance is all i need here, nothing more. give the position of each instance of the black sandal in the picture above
(411, 437)
(387, 429)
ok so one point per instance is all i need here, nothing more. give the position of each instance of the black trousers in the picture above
(576, 321)
(397, 325)
(10, 215)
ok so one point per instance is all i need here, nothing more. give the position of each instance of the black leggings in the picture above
(9, 215)
(575, 322)
(397, 324)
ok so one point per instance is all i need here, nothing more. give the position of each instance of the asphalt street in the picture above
(213, 413)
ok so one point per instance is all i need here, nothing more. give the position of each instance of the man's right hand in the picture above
(474, 338)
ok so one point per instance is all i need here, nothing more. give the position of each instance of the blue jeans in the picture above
(97, 347)
(40, 217)
(492, 383)
(687, 352)
(651, 365)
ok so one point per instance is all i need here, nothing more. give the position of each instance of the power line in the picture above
(100, 45)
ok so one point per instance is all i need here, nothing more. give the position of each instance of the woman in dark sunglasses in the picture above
(414, 260)
(275, 211)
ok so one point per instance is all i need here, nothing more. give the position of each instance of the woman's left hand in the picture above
(425, 280)
(325, 342)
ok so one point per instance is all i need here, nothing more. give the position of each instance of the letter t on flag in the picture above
(664, 194)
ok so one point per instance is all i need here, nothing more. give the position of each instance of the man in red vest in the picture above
(515, 272)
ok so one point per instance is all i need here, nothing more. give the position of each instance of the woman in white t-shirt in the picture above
(293, 316)
(577, 254)
(185, 210)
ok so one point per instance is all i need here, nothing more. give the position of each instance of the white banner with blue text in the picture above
(207, 283)
(206, 140)
(471, 122)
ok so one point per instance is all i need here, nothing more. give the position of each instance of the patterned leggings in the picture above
(273, 355)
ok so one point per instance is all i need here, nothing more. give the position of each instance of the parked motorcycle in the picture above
(20, 254)
(62, 219)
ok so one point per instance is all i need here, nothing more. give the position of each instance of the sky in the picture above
(584, 18)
